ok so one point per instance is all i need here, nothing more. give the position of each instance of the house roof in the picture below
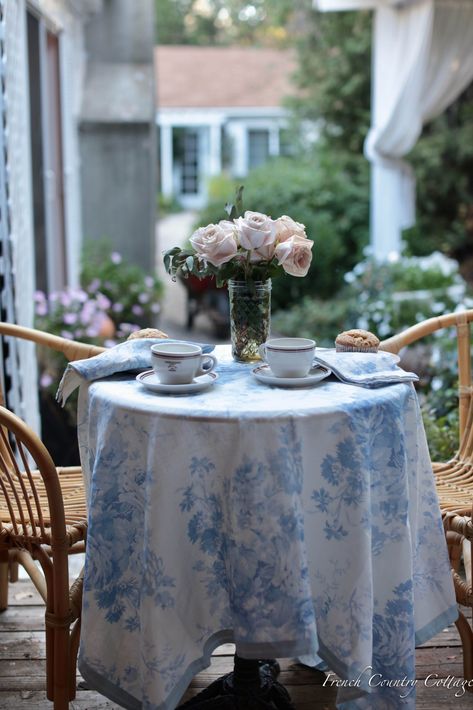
(204, 77)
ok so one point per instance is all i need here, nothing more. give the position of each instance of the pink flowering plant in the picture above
(115, 299)
(248, 246)
(134, 296)
(72, 313)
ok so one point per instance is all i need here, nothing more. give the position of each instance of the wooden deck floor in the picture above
(22, 674)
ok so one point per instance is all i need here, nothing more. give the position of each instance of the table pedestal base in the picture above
(251, 686)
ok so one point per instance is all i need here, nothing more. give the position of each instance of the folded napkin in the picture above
(131, 355)
(364, 369)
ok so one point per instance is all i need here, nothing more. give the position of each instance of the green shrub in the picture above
(441, 432)
(220, 189)
(328, 193)
(381, 297)
(387, 298)
(312, 318)
(167, 205)
(443, 163)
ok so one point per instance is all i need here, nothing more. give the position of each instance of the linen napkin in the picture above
(364, 369)
(131, 355)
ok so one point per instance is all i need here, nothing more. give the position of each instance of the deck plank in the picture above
(22, 668)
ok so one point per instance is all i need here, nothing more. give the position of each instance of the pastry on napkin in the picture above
(356, 341)
(147, 333)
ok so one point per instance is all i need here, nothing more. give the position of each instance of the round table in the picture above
(292, 522)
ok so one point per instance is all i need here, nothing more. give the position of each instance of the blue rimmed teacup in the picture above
(179, 363)
(288, 357)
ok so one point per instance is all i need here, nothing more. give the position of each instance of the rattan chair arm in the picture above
(459, 524)
(72, 349)
(77, 533)
(463, 591)
(420, 330)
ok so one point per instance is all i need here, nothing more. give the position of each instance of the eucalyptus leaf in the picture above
(235, 210)
(239, 201)
(230, 209)
(173, 251)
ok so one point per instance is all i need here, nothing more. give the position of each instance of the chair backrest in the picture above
(32, 494)
(72, 349)
(461, 321)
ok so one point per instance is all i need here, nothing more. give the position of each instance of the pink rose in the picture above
(295, 255)
(265, 253)
(286, 227)
(255, 230)
(215, 243)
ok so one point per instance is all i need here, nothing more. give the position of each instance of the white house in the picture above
(217, 108)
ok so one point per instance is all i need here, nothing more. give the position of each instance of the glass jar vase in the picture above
(250, 317)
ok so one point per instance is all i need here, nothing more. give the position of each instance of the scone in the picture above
(147, 333)
(356, 341)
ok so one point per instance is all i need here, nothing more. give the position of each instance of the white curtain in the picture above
(423, 59)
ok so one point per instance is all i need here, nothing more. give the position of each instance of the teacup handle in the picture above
(212, 363)
(262, 351)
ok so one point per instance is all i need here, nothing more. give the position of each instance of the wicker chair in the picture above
(41, 523)
(43, 518)
(454, 478)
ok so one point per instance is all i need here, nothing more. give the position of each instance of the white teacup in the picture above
(288, 357)
(179, 363)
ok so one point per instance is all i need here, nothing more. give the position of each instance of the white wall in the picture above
(24, 394)
(236, 122)
(67, 21)
(67, 18)
(238, 127)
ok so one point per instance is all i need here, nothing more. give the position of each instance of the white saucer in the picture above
(151, 382)
(317, 373)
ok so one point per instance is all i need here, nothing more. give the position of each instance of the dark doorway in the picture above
(46, 155)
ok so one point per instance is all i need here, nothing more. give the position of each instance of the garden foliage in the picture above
(334, 79)
(330, 197)
(382, 297)
(115, 299)
(386, 298)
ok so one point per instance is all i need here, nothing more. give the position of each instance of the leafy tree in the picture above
(334, 76)
(260, 22)
(170, 26)
(443, 162)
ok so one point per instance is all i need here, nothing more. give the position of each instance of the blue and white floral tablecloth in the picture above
(291, 522)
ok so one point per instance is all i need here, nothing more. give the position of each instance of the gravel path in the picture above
(171, 231)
